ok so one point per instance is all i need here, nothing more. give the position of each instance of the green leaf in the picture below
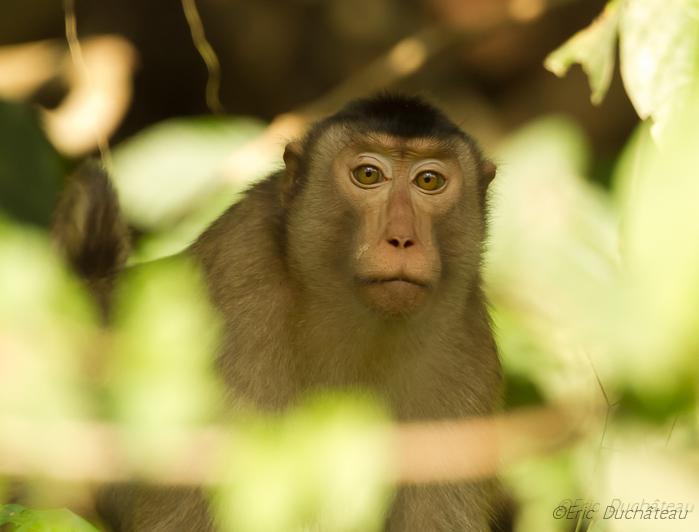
(161, 373)
(594, 49)
(43, 520)
(163, 173)
(175, 238)
(661, 247)
(552, 259)
(11, 513)
(47, 322)
(658, 43)
(322, 462)
(31, 170)
(539, 484)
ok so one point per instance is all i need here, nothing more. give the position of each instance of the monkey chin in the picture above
(395, 297)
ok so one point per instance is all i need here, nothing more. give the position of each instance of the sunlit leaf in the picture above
(661, 246)
(552, 258)
(324, 463)
(164, 171)
(162, 371)
(525, 364)
(42, 520)
(658, 43)
(175, 238)
(643, 479)
(594, 48)
(46, 327)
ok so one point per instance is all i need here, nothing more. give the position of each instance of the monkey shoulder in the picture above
(242, 252)
(242, 257)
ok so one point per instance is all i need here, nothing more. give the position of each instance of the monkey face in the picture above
(384, 199)
(398, 187)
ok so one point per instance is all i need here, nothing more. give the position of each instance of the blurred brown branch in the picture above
(100, 91)
(425, 452)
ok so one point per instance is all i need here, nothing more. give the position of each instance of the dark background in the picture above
(278, 55)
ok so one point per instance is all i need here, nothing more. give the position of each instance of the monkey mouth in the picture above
(393, 296)
(368, 281)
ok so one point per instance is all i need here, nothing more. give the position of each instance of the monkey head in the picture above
(386, 200)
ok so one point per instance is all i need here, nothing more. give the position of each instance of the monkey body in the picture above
(355, 266)
(282, 340)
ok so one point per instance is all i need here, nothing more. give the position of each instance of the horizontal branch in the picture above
(466, 449)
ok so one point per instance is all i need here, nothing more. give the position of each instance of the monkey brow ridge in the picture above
(411, 147)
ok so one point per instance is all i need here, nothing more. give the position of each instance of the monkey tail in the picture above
(89, 228)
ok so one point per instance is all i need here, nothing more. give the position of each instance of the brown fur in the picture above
(89, 230)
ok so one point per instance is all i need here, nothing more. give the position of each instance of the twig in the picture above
(79, 62)
(208, 54)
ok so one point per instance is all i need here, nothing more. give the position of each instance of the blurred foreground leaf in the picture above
(31, 170)
(661, 249)
(658, 44)
(42, 520)
(162, 379)
(323, 464)
(552, 261)
(567, 309)
(165, 171)
(596, 300)
(47, 325)
(540, 485)
(175, 238)
(647, 475)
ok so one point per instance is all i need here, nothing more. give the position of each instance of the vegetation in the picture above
(595, 298)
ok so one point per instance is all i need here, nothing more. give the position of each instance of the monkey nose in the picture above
(401, 243)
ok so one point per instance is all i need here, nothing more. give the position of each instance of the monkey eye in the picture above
(429, 180)
(367, 175)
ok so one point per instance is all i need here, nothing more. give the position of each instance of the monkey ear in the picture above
(293, 153)
(488, 169)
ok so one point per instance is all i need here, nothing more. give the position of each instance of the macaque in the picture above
(357, 265)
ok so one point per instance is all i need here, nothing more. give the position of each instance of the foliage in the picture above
(27, 157)
(46, 326)
(658, 44)
(324, 462)
(42, 520)
(595, 301)
(191, 152)
(595, 293)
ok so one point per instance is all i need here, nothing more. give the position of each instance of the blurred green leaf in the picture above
(552, 261)
(541, 485)
(43, 520)
(162, 173)
(47, 324)
(322, 462)
(162, 369)
(520, 391)
(646, 473)
(526, 366)
(661, 247)
(653, 407)
(594, 48)
(174, 239)
(31, 171)
(658, 43)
